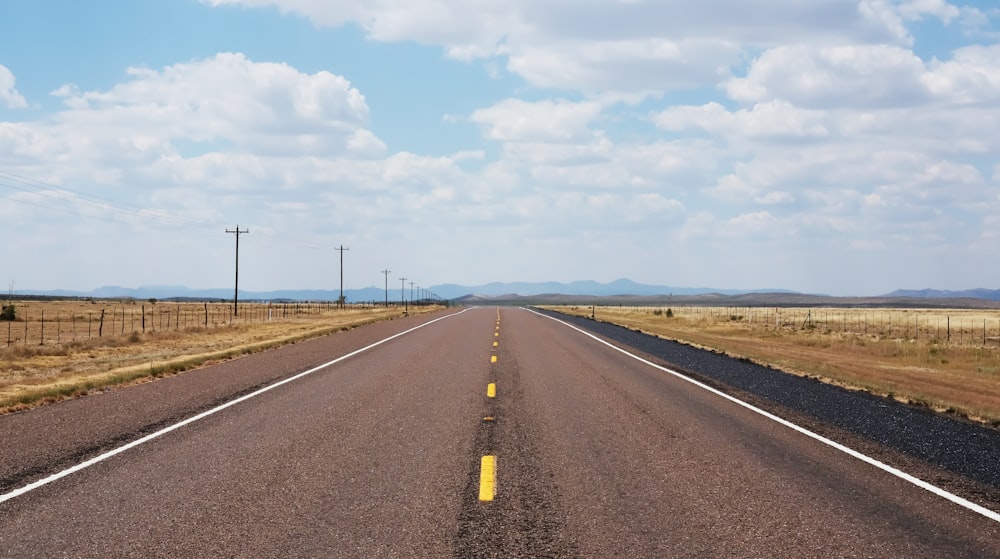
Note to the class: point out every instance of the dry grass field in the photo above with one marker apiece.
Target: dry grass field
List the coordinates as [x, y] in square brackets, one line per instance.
[948, 360]
[73, 353]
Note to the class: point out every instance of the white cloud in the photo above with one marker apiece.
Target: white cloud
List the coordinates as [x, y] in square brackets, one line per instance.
[774, 120]
[916, 9]
[259, 106]
[611, 46]
[972, 76]
[732, 136]
[9, 96]
[198, 121]
[650, 64]
[861, 76]
[543, 121]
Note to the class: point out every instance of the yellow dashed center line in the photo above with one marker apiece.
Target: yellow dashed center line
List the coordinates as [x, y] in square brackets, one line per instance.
[487, 468]
[487, 478]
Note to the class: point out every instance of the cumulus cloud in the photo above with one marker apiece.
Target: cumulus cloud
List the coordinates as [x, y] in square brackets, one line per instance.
[917, 9]
[749, 130]
[772, 120]
[614, 46]
[542, 121]
[211, 121]
[9, 96]
[260, 106]
[863, 76]
[972, 76]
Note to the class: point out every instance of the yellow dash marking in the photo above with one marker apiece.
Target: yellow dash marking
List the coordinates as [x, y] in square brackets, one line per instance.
[488, 418]
[491, 390]
[495, 344]
[493, 359]
[496, 333]
[487, 478]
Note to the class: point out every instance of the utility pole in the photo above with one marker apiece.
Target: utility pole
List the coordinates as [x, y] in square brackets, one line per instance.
[341, 250]
[402, 292]
[236, 288]
[386, 272]
[411, 291]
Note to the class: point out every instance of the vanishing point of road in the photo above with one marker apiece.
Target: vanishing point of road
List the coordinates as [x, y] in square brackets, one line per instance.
[479, 432]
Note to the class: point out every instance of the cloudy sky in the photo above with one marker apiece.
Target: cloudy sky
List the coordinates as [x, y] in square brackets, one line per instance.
[848, 147]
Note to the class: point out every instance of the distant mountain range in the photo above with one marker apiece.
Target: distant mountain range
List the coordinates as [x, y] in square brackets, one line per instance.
[495, 290]
[591, 288]
[445, 291]
[990, 294]
[165, 292]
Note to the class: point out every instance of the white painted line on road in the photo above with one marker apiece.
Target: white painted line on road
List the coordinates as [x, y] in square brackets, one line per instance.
[992, 515]
[204, 414]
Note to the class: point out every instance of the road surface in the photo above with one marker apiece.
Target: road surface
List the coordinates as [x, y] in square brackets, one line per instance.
[373, 445]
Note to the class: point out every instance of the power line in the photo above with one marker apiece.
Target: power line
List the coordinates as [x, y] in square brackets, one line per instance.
[72, 196]
[236, 288]
[386, 272]
[341, 250]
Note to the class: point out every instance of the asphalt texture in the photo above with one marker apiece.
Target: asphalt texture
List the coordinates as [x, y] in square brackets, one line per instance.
[378, 455]
[959, 446]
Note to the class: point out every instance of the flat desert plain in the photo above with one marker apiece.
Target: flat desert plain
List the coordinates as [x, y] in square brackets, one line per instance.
[946, 359]
[60, 349]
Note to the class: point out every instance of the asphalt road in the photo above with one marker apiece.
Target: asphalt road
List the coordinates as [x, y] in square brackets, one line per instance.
[380, 455]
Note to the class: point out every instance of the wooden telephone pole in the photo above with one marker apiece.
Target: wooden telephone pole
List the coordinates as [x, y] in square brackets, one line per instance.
[236, 289]
[340, 301]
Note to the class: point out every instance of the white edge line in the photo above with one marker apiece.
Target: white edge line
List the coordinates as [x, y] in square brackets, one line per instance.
[992, 515]
[86, 464]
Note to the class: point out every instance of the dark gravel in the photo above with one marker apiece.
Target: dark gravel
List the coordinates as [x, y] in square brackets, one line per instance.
[958, 446]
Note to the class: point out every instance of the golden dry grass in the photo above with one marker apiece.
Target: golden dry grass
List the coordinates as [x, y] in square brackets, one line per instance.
[905, 354]
[33, 373]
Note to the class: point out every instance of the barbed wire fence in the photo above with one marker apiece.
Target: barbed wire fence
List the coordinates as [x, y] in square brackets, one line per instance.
[980, 328]
[37, 325]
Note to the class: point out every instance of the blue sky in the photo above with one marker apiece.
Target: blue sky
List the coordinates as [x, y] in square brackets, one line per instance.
[830, 146]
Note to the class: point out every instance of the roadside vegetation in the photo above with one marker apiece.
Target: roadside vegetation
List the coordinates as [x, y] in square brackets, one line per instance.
[33, 374]
[947, 360]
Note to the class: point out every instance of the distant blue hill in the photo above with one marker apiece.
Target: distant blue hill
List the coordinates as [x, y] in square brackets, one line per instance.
[990, 294]
[445, 291]
[620, 287]
[617, 287]
[163, 292]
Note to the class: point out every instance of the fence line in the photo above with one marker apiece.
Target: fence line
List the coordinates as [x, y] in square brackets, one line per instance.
[35, 327]
[946, 327]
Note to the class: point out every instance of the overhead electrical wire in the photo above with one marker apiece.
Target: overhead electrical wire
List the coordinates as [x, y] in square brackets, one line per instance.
[13, 181]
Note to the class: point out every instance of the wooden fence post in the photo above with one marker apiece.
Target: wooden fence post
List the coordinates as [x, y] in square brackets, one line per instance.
[100, 329]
